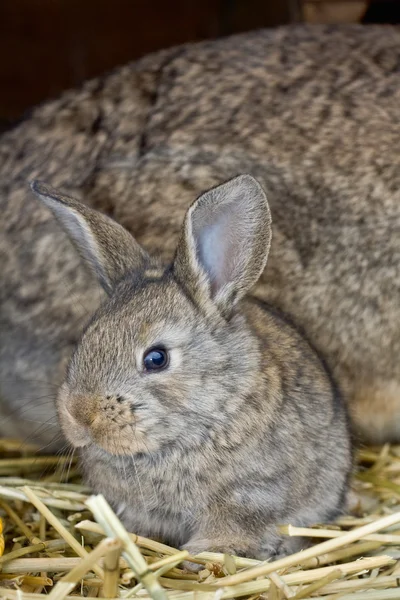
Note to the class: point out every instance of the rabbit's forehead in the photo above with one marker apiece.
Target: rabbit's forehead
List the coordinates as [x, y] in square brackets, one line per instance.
[165, 332]
[173, 329]
[157, 314]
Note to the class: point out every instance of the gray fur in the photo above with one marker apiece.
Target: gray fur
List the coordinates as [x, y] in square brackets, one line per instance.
[311, 112]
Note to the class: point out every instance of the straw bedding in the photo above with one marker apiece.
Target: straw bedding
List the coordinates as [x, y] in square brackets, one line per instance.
[58, 540]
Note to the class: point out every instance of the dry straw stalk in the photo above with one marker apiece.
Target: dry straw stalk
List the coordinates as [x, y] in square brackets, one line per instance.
[59, 542]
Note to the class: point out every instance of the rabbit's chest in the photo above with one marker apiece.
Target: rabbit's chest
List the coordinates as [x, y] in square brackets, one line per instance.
[162, 504]
[171, 492]
[176, 487]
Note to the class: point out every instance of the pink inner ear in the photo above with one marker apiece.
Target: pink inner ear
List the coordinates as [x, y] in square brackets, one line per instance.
[220, 239]
[230, 230]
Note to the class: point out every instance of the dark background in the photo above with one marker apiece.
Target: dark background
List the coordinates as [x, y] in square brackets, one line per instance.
[47, 46]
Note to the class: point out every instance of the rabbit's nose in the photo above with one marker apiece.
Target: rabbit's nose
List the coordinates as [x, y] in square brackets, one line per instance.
[76, 433]
[83, 408]
[77, 411]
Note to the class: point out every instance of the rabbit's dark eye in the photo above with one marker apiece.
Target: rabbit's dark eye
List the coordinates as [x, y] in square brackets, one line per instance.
[155, 359]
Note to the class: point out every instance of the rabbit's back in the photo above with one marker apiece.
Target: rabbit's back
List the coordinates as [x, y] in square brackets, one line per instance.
[313, 112]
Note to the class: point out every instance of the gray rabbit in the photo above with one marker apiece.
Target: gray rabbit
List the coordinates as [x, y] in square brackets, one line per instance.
[205, 420]
[313, 114]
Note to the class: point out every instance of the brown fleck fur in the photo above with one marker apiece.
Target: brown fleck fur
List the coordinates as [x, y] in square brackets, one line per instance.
[311, 112]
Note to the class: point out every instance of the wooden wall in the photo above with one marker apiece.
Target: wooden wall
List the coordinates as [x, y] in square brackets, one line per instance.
[47, 46]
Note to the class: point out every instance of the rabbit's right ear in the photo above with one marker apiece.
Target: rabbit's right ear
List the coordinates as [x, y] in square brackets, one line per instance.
[110, 251]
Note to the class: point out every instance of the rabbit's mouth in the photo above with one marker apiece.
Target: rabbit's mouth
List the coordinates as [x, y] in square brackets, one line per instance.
[118, 436]
[114, 440]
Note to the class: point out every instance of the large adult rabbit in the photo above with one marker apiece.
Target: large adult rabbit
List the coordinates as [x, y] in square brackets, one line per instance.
[311, 112]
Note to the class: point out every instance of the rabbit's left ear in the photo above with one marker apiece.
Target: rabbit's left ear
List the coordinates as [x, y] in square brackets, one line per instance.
[224, 243]
[106, 247]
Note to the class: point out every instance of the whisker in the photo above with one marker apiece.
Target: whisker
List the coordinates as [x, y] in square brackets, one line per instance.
[56, 437]
[141, 492]
[37, 430]
[64, 464]
[152, 483]
[45, 382]
[69, 464]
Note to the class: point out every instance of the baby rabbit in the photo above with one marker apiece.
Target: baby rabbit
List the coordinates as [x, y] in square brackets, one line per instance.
[204, 416]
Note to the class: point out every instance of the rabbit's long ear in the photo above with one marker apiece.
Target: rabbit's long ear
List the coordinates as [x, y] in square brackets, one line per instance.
[225, 242]
[107, 247]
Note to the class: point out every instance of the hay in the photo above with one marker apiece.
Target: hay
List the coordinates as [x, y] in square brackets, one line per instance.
[63, 543]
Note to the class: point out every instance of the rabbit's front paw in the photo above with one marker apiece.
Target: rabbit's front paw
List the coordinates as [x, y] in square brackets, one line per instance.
[219, 546]
[276, 548]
